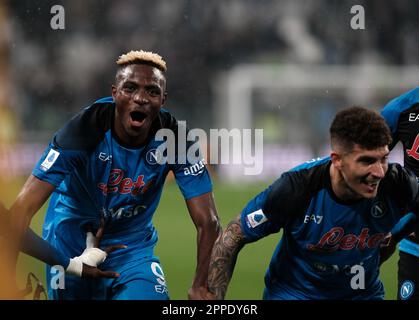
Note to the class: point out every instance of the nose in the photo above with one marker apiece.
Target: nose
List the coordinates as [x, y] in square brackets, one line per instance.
[378, 170]
[140, 97]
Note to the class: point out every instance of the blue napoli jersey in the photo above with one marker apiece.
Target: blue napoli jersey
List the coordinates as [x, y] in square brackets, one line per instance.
[402, 116]
[95, 176]
[324, 237]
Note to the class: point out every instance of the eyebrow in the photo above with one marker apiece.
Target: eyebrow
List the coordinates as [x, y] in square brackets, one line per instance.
[371, 158]
[130, 82]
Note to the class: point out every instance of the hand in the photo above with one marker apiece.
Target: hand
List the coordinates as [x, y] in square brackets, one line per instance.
[93, 256]
[86, 264]
[200, 293]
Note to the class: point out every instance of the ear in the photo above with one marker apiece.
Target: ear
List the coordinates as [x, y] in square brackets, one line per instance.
[336, 160]
[114, 90]
[164, 98]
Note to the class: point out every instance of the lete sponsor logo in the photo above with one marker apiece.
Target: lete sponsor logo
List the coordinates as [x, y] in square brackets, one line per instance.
[117, 183]
[336, 239]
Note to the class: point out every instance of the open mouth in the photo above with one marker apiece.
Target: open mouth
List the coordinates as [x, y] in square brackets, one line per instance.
[371, 185]
[138, 117]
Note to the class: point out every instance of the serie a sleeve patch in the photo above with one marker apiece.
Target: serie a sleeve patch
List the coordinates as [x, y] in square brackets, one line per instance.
[255, 218]
[49, 160]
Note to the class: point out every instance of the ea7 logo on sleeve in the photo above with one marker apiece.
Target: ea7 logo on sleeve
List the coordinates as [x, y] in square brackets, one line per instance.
[49, 160]
[255, 218]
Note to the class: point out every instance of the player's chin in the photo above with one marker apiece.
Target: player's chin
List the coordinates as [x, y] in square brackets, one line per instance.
[368, 192]
[136, 128]
[369, 195]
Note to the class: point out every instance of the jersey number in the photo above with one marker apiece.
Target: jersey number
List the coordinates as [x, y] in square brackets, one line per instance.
[413, 152]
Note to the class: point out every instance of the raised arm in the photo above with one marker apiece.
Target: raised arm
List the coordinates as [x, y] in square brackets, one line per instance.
[224, 257]
[204, 215]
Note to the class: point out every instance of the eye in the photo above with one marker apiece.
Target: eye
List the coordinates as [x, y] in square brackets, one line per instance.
[384, 160]
[367, 160]
[153, 91]
[128, 87]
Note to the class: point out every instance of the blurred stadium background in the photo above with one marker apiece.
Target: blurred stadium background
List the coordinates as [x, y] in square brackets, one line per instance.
[282, 65]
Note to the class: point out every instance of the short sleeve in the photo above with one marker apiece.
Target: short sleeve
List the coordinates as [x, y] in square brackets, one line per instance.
[71, 144]
[271, 209]
[193, 179]
[392, 111]
[191, 172]
[56, 163]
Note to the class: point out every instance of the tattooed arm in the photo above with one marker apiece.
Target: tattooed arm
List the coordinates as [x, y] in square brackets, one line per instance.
[224, 256]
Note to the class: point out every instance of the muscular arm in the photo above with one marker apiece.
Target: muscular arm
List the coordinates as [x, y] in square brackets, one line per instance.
[37, 247]
[31, 198]
[204, 215]
[18, 236]
[224, 256]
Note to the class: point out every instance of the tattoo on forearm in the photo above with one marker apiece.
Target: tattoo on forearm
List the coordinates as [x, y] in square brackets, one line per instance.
[223, 259]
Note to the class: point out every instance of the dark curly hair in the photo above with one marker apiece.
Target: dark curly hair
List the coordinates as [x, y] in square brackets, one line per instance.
[358, 125]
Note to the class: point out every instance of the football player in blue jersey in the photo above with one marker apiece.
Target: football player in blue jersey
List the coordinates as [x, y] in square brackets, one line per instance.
[335, 214]
[105, 164]
[402, 116]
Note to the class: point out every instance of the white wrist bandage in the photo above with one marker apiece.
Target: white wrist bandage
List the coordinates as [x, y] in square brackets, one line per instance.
[90, 256]
[93, 256]
[75, 267]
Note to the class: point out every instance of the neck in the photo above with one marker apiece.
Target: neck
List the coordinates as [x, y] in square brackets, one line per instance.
[127, 140]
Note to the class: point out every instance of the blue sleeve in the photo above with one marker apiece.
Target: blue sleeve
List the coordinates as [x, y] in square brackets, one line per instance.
[74, 141]
[406, 225]
[37, 247]
[190, 172]
[56, 163]
[271, 209]
[254, 222]
[192, 179]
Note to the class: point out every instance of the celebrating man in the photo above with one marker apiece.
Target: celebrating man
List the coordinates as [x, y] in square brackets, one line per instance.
[100, 166]
[335, 213]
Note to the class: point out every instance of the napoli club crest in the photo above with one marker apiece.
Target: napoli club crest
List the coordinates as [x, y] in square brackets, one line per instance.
[407, 289]
[378, 210]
